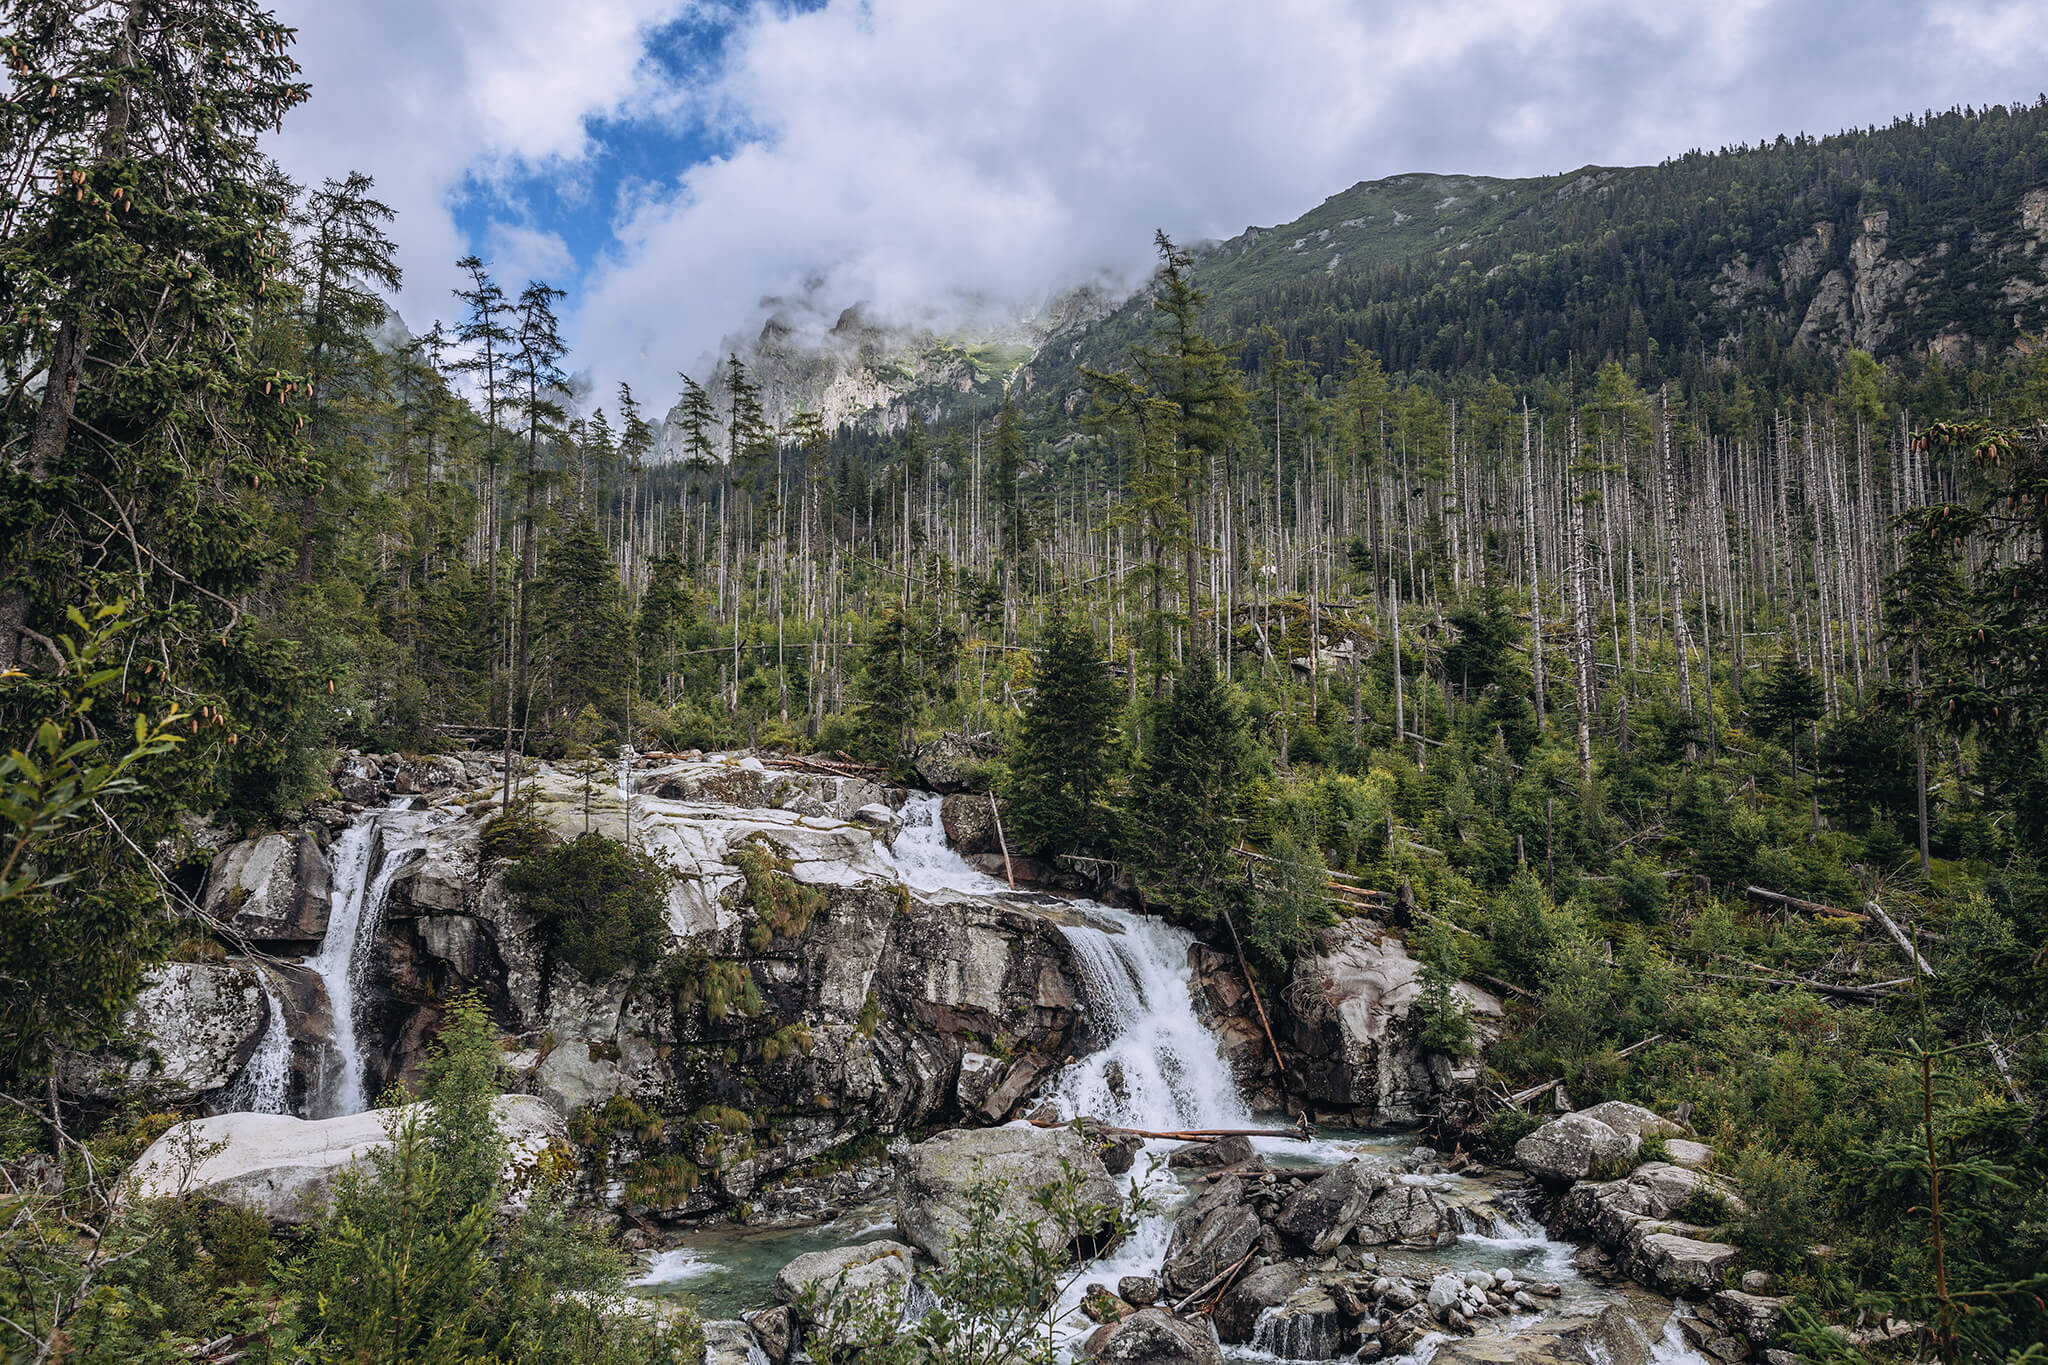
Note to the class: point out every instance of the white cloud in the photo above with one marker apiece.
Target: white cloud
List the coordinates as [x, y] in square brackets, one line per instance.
[431, 95]
[919, 154]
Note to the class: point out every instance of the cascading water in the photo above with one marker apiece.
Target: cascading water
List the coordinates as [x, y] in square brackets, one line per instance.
[263, 1087]
[1156, 1066]
[364, 869]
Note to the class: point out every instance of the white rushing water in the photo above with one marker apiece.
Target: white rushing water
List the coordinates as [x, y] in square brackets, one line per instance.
[364, 861]
[264, 1085]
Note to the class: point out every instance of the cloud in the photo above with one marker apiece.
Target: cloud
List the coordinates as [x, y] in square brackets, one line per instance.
[441, 100]
[927, 157]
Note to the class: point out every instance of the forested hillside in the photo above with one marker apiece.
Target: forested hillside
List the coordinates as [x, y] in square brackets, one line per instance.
[1641, 596]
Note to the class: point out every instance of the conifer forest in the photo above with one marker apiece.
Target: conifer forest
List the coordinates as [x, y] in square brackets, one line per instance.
[1607, 652]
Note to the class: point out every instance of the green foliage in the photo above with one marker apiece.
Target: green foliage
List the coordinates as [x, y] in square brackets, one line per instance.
[1287, 903]
[79, 920]
[719, 985]
[602, 907]
[1181, 826]
[782, 906]
[515, 833]
[1443, 1018]
[1065, 751]
[993, 1303]
[405, 1270]
[906, 665]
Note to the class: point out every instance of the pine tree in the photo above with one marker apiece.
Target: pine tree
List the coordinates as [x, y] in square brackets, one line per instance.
[1183, 827]
[1065, 750]
[349, 259]
[584, 636]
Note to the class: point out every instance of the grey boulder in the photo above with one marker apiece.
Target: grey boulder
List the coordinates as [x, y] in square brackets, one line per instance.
[1150, 1337]
[934, 1179]
[1571, 1147]
[274, 889]
[1322, 1213]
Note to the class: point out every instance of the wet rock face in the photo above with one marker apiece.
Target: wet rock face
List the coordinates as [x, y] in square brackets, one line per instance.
[1238, 1312]
[274, 890]
[970, 825]
[1610, 1337]
[934, 1180]
[913, 1010]
[1323, 1213]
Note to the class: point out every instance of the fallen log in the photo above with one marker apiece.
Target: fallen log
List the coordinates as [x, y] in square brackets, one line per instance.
[1785, 902]
[1899, 937]
[1257, 1004]
[1218, 1284]
[1867, 995]
[1301, 1132]
[1009, 872]
[1510, 987]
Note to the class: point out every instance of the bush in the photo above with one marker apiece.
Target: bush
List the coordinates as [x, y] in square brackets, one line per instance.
[1783, 1194]
[601, 907]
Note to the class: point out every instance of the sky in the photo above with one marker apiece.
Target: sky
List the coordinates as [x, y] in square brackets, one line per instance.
[682, 167]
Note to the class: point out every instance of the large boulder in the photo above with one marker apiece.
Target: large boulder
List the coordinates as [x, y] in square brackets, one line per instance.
[1609, 1337]
[1632, 1120]
[1305, 1327]
[1347, 1016]
[1211, 1233]
[970, 824]
[1405, 1215]
[1758, 1317]
[1678, 1264]
[1606, 1210]
[284, 1168]
[1238, 1311]
[934, 1178]
[1152, 1337]
[948, 762]
[1322, 1213]
[273, 890]
[873, 1277]
[1571, 1147]
[193, 1026]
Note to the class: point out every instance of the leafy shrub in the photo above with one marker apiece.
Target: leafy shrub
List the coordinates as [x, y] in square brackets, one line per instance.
[782, 905]
[601, 907]
[515, 832]
[1653, 1149]
[1783, 1194]
[721, 986]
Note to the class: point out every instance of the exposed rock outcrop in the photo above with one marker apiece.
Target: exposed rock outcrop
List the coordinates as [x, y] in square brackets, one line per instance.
[274, 890]
[284, 1168]
[195, 1026]
[1152, 1337]
[934, 1178]
[1571, 1147]
[1346, 1017]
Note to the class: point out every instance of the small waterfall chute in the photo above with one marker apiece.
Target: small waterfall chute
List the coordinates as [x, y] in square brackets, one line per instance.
[264, 1085]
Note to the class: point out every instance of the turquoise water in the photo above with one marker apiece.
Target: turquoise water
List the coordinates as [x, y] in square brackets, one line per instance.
[724, 1271]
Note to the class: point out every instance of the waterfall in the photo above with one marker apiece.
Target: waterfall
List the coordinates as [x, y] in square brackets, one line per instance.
[1297, 1336]
[263, 1085]
[1156, 1065]
[363, 872]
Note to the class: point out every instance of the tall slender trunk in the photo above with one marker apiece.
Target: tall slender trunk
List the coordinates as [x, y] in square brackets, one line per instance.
[66, 369]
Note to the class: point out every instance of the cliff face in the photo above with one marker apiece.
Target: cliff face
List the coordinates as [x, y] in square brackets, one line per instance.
[868, 372]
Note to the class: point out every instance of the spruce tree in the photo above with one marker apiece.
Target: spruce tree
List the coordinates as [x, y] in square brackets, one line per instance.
[1065, 750]
[584, 637]
[1183, 824]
